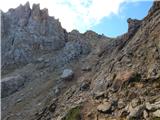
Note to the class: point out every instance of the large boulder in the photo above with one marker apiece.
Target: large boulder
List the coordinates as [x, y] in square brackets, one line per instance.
[67, 74]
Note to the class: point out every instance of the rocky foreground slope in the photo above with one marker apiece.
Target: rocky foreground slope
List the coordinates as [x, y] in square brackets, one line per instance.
[49, 74]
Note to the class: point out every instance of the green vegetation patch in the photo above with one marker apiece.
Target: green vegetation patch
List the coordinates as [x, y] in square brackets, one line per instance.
[155, 118]
[73, 114]
[136, 77]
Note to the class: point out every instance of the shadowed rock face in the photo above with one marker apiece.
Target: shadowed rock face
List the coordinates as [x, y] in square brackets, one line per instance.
[9, 85]
[52, 74]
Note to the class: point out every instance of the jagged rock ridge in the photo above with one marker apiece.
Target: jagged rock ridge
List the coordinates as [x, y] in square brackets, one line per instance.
[28, 32]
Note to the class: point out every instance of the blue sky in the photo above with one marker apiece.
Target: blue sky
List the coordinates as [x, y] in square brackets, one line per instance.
[115, 25]
[102, 16]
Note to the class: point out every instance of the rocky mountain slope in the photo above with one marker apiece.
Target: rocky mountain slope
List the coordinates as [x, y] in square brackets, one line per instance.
[50, 74]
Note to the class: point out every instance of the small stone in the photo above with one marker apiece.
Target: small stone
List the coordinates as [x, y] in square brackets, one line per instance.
[86, 68]
[136, 112]
[19, 100]
[156, 113]
[104, 107]
[135, 102]
[145, 114]
[148, 106]
[39, 104]
[139, 85]
[123, 113]
[105, 100]
[98, 95]
[121, 104]
[57, 90]
[59, 118]
[40, 59]
[132, 95]
[89, 114]
[80, 101]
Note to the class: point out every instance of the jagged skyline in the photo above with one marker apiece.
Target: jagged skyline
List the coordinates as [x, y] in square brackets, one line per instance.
[100, 16]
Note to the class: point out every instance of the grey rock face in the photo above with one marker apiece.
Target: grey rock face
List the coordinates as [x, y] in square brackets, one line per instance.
[29, 32]
[12, 84]
[72, 50]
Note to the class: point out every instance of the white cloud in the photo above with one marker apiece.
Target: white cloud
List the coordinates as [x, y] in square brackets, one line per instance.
[73, 14]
